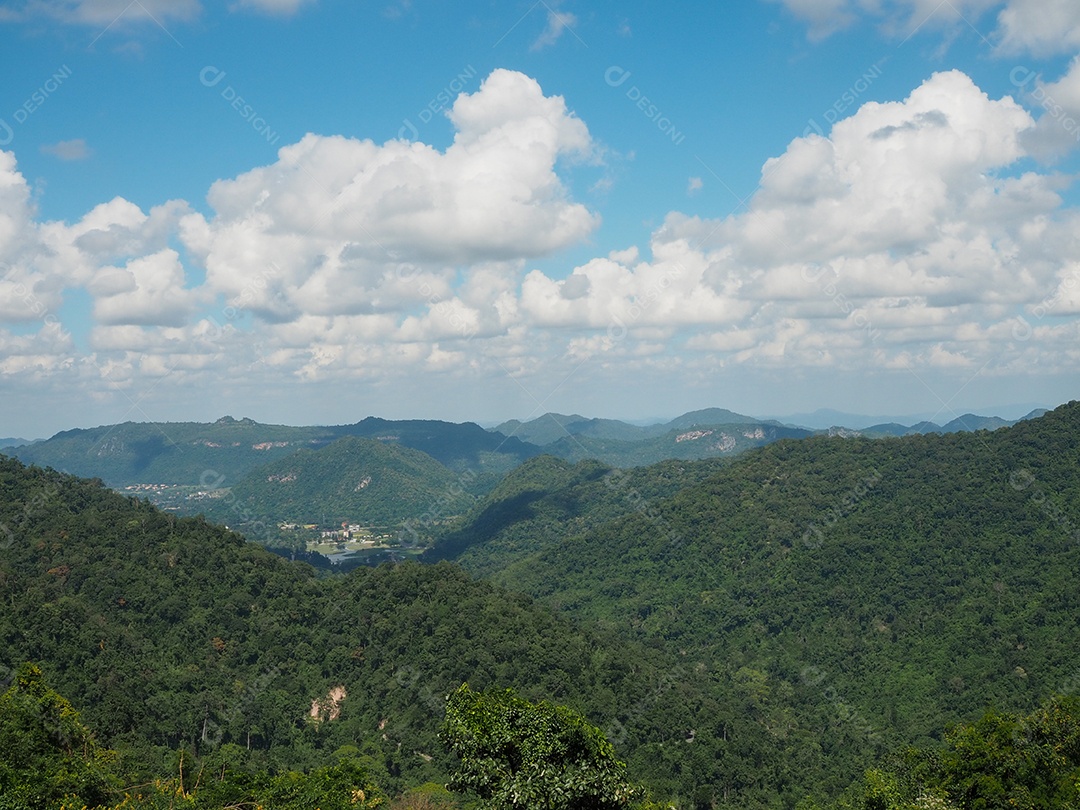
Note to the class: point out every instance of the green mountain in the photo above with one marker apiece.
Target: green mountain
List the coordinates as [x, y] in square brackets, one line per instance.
[465, 446]
[352, 480]
[856, 586]
[970, 421]
[547, 499]
[544, 429]
[692, 442]
[750, 631]
[193, 453]
[171, 633]
[713, 416]
[168, 452]
[709, 433]
[967, 422]
[552, 427]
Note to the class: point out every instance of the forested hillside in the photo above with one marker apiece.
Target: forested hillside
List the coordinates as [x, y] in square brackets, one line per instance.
[758, 632]
[709, 433]
[172, 633]
[866, 589]
[698, 442]
[351, 480]
[547, 499]
[192, 453]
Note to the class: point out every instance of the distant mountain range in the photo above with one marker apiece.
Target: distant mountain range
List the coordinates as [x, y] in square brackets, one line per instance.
[709, 433]
[11, 442]
[962, 424]
[181, 453]
[280, 473]
[825, 418]
[767, 627]
[551, 427]
[573, 437]
[189, 453]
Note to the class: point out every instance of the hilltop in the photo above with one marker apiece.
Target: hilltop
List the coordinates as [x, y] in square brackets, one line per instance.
[171, 632]
[921, 577]
[756, 630]
[353, 480]
[187, 453]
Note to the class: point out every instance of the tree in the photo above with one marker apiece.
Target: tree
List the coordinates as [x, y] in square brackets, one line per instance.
[516, 754]
[46, 753]
[1000, 762]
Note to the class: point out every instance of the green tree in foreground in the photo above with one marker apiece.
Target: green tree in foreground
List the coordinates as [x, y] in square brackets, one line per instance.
[515, 754]
[46, 753]
[50, 761]
[1000, 762]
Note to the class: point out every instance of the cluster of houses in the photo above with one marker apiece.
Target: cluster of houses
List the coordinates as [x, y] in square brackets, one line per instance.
[149, 487]
[348, 531]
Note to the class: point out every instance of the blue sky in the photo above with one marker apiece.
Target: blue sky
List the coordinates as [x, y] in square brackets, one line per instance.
[314, 211]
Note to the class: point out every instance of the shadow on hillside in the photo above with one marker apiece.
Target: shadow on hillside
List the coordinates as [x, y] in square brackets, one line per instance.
[488, 523]
[148, 450]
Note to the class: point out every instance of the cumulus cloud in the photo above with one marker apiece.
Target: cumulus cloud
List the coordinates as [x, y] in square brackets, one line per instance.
[904, 238]
[901, 226]
[1039, 27]
[342, 226]
[338, 245]
[46, 352]
[149, 290]
[1058, 107]
[887, 177]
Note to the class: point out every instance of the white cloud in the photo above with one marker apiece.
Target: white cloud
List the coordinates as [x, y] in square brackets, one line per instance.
[902, 227]
[905, 238]
[75, 149]
[340, 226]
[41, 354]
[892, 179]
[558, 22]
[281, 8]
[1058, 107]
[15, 209]
[1039, 27]
[104, 12]
[148, 291]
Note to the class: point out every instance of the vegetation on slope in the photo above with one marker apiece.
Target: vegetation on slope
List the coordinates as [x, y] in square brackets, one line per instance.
[696, 442]
[765, 633]
[1003, 760]
[546, 500]
[352, 480]
[172, 633]
[870, 586]
[193, 453]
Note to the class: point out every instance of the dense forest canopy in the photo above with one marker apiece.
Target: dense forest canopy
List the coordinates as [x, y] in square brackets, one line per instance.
[759, 632]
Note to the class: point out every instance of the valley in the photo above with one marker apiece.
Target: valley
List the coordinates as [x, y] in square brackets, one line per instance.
[755, 629]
